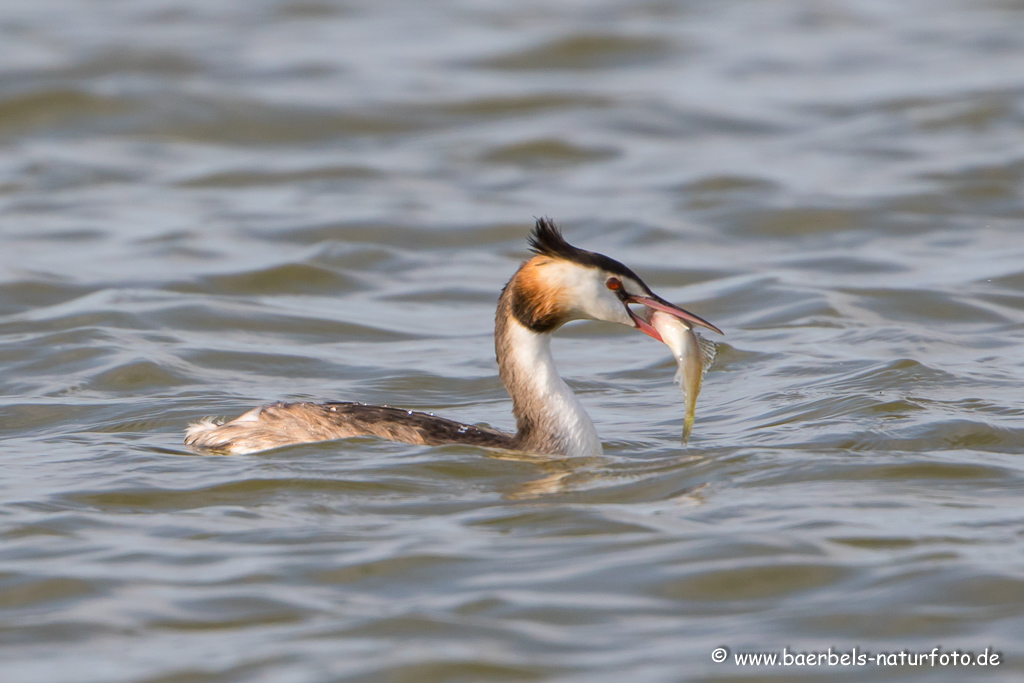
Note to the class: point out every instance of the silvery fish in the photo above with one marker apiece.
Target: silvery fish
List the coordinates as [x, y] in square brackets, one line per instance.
[694, 355]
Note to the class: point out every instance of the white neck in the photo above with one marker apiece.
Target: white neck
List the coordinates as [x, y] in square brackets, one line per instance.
[540, 398]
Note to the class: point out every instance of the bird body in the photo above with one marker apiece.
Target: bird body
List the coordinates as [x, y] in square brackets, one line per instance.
[558, 284]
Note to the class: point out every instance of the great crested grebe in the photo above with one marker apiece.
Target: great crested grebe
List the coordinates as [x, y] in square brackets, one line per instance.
[557, 284]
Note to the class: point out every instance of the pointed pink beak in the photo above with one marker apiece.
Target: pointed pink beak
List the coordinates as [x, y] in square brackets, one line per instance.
[660, 304]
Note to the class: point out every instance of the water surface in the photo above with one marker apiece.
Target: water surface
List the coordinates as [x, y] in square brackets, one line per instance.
[209, 205]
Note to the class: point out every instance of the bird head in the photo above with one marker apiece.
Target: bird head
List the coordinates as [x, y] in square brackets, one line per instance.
[561, 283]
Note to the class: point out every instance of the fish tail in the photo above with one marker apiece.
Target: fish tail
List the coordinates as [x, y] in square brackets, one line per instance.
[687, 426]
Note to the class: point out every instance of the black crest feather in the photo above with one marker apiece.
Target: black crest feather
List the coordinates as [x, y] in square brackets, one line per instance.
[546, 240]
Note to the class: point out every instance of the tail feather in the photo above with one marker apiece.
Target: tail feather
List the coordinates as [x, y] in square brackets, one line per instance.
[245, 434]
[207, 435]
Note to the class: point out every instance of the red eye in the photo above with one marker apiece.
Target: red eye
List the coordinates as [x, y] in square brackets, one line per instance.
[613, 283]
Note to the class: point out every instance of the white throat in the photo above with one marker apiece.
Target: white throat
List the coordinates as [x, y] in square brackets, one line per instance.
[537, 389]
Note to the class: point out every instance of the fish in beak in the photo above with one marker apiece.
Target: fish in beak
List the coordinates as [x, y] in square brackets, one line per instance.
[673, 326]
[656, 303]
[694, 356]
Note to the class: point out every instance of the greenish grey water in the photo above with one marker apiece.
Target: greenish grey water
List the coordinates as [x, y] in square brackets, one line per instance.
[208, 205]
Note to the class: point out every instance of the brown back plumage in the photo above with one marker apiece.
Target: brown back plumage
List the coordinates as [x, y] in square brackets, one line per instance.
[281, 424]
